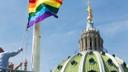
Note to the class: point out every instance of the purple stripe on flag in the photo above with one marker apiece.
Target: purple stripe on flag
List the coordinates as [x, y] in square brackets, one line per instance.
[39, 19]
[31, 23]
[43, 16]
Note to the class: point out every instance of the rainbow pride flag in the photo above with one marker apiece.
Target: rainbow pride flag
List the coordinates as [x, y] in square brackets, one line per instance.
[41, 9]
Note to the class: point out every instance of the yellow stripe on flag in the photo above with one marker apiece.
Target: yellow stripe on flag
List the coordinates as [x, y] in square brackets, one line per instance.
[31, 10]
[53, 3]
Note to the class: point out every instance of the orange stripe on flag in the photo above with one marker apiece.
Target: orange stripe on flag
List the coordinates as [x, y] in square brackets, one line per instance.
[32, 5]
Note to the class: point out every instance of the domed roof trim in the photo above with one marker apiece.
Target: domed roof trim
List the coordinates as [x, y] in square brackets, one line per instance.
[73, 64]
[82, 61]
[66, 63]
[108, 63]
[127, 67]
[119, 60]
[86, 61]
[63, 65]
[100, 61]
[115, 62]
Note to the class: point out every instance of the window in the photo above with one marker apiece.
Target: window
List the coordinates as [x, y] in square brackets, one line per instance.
[95, 43]
[90, 43]
[113, 71]
[124, 64]
[113, 55]
[103, 53]
[59, 67]
[91, 53]
[92, 61]
[73, 62]
[110, 61]
[79, 54]
[92, 71]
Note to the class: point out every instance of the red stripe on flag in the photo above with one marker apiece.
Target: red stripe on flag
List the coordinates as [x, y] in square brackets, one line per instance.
[60, 1]
[32, 1]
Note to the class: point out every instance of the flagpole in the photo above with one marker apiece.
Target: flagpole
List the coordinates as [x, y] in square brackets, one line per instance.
[36, 48]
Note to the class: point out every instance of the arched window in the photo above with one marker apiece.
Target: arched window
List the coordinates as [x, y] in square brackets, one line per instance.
[73, 62]
[92, 61]
[91, 53]
[103, 53]
[110, 61]
[95, 43]
[113, 71]
[85, 43]
[79, 54]
[59, 67]
[124, 64]
[90, 43]
[92, 71]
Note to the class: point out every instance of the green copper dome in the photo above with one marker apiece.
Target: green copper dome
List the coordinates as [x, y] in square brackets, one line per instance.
[92, 57]
[92, 61]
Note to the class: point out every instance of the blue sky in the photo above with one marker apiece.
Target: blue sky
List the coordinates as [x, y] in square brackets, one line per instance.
[60, 36]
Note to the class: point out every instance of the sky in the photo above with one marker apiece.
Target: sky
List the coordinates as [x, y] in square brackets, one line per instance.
[59, 37]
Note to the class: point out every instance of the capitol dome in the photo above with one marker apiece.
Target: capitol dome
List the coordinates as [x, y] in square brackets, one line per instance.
[92, 61]
[92, 56]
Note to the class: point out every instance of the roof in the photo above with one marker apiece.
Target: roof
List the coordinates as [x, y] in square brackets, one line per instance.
[92, 61]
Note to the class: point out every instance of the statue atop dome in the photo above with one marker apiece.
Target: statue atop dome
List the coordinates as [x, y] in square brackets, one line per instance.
[90, 17]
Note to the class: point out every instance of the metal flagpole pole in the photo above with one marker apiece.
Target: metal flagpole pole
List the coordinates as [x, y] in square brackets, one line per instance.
[36, 49]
